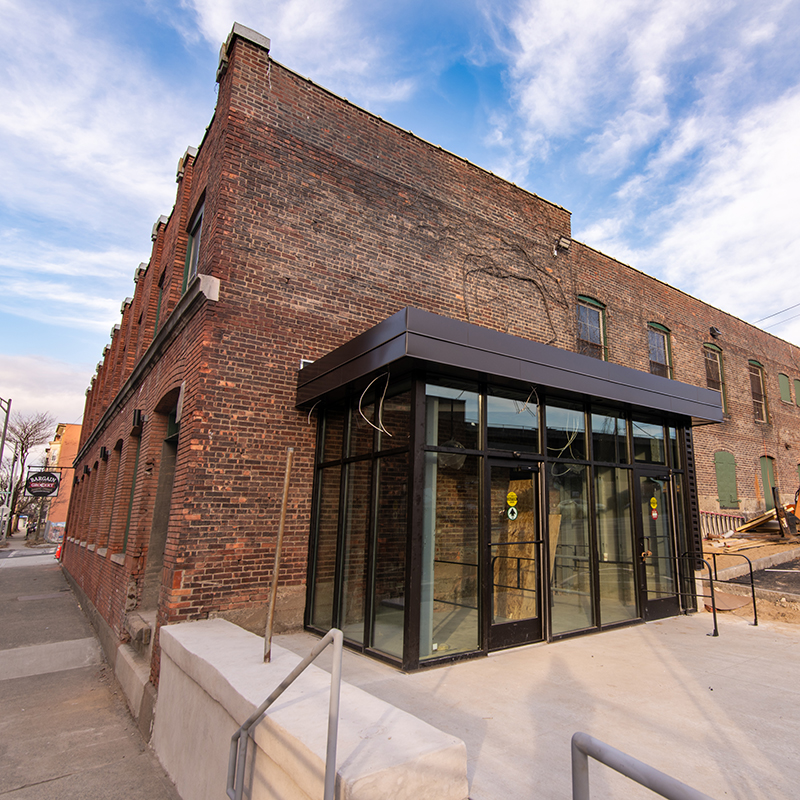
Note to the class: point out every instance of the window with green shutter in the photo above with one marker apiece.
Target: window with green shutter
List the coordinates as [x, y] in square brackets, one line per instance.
[786, 388]
[725, 466]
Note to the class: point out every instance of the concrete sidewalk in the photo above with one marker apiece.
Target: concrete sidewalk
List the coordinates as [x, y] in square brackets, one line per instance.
[65, 731]
[720, 714]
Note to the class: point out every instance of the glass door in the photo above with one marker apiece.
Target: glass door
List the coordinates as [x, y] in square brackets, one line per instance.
[655, 536]
[513, 555]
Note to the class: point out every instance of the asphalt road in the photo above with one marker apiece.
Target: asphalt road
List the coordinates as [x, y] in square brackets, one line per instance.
[780, 578]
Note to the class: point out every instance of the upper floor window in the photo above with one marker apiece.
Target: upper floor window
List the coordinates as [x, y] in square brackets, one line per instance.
[786, 388]
[796, 392]
[591, 328]
[193, 248]
[658, 344]
[715, 377]
[757, 391]
[159, 299]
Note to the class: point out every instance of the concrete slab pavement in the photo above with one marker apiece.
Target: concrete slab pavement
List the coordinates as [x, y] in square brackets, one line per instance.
[721, 714]
[65, 731]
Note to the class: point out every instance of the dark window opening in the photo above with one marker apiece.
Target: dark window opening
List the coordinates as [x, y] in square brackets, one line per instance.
[591, 338]
[757, 392]
[658, 344]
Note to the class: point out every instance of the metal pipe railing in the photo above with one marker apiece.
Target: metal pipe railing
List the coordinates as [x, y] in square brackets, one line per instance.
[584, 746]
[238, 751]
[689, 558]
[752, 580]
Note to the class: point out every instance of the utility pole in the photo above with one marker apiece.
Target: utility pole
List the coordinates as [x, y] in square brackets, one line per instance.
[5, 501]
[10, 497]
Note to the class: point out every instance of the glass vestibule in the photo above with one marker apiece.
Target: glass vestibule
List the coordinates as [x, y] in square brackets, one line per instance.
[512, 516]
[357, 565]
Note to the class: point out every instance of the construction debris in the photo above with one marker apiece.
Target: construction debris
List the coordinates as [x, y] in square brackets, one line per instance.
[779, 524]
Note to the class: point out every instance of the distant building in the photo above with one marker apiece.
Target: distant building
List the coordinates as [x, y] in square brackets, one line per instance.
[61, 452]
[500, 434]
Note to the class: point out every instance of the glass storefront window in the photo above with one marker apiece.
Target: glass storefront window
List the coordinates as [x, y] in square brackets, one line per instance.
[649, 446]
[394, 421]
[355, 533]
[675, 449]
[609, 437]
[333, 433]
[616, 576]
[391, 537]
[362, 434]
[569, 548]
[449, 617]
[452, 416]
[566, 431]
[325, 555]
[512, 420]
[492, 526]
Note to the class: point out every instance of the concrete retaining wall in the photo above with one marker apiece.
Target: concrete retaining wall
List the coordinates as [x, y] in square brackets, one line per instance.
[213, 677]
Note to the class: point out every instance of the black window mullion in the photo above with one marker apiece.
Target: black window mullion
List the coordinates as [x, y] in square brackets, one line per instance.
[415, 520]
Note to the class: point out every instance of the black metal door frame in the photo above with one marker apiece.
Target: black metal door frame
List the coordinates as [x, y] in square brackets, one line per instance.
[523, 631]
[667, 604]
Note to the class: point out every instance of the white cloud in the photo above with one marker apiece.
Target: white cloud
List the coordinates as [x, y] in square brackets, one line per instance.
[87, 129]
[731, 236]
[335, 43]
[39, 384]
[610, 81]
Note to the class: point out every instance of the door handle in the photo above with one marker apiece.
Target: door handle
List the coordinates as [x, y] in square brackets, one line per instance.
[647, 553]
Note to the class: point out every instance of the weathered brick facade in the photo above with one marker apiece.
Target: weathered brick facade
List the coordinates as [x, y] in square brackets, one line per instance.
[319, 220]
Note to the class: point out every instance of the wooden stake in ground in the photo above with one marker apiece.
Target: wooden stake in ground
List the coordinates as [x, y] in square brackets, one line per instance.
[273, 592]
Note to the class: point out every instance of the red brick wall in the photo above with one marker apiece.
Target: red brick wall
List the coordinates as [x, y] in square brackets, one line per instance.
[321, 220]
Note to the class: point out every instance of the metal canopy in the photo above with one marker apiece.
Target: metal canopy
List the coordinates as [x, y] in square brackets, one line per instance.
[413, 338]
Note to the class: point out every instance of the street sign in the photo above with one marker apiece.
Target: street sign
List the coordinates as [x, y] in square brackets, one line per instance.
[42, 484]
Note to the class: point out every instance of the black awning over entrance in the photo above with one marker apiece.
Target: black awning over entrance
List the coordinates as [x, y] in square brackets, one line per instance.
[413, 338]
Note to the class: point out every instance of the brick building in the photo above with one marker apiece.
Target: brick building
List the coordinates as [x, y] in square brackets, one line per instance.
[492, 421]
[60, 453]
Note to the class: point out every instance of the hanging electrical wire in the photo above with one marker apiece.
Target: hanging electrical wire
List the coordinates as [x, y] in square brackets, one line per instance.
[773, 324]
[379, 427]
[769, 316]
[311, 410]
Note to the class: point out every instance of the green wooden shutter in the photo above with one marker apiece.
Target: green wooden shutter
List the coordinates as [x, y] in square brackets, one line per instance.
[725, 466]
[786, 389]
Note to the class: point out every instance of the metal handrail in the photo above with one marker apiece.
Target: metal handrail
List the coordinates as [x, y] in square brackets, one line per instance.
[682, 594]
[752, 580]
[662, 784]
[238, 751]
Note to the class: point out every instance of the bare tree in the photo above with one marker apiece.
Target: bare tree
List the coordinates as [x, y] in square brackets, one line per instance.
[25, 432]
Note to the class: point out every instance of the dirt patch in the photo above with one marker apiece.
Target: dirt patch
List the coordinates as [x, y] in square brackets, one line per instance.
[779, 610]
[770, 611]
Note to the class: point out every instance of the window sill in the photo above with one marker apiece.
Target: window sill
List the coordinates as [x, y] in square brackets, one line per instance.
[118, 558]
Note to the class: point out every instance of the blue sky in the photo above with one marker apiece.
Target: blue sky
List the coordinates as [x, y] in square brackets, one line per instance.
[668, 129]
